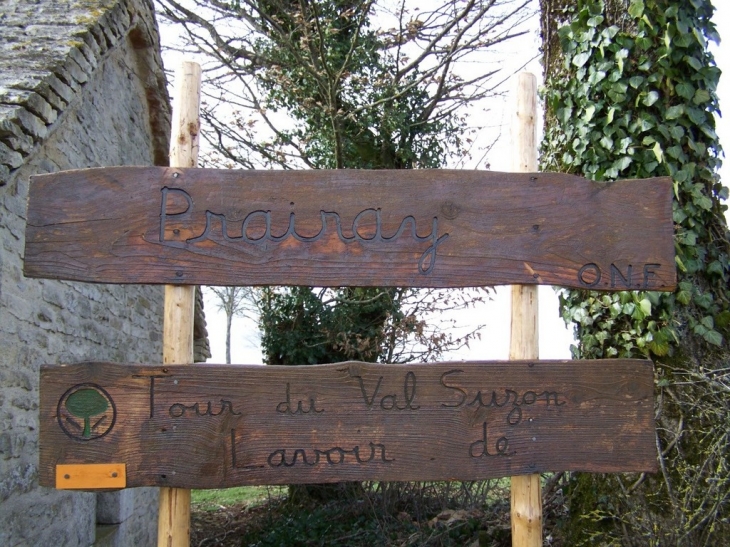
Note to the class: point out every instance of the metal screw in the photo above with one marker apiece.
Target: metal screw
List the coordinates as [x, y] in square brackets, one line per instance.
[175, 175]
[534, 439]
[114, 474]
[67, 476]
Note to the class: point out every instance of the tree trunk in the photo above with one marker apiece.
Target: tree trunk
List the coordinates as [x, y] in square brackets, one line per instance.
[229, 321]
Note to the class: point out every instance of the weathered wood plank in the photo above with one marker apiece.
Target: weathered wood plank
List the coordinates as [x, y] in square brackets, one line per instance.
[213, 426]
[420, 228]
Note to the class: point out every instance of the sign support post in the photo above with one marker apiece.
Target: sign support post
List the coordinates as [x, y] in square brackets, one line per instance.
[526, 499]
[173, 526]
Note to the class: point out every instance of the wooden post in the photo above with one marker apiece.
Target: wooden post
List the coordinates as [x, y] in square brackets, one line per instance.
[173, 526]
[526, 499]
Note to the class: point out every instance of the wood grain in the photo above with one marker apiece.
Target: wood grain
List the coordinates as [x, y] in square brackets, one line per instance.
[525, 490]
[419, 228]
[215, 426]
[173, 522]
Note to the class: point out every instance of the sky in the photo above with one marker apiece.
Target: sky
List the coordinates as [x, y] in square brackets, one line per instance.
[555, 337]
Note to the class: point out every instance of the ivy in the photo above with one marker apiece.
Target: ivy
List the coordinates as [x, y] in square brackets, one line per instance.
[632, 94]
[638, 103]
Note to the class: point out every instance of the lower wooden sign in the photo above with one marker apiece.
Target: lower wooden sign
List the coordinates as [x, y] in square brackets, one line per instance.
[216, 426]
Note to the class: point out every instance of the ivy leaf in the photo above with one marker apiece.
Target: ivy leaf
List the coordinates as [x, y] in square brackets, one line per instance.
[674, 152]
[677, 132]
[703, 202]
[636, 81]
[684, 297]
[707, 130]
[636, 9]
[693, 62]
[715, 267]
[658, 152]
[609, 116]
[645, 306]
[564, 114]
[581, 59]
[650, 166]
[688, 238]
[590, 110]
[595, 21]
[723, 319]
[697, 116]
[701, 96]
[681, 176]
[685, 90]
[674, 112]
[650, 98]
[681, 266]
[713, 337]
[622, 163]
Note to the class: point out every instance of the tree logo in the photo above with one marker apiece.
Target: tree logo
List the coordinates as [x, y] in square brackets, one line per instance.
[86, 412]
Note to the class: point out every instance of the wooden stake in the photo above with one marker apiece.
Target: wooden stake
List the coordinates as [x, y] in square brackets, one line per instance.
[526, 499]
[173, 526]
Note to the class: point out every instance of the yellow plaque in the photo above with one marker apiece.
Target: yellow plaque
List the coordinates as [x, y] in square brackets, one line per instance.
[91, 476]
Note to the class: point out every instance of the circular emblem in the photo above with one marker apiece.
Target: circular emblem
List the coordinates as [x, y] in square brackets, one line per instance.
[86, 412]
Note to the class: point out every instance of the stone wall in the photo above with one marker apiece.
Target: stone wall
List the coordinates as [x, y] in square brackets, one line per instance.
[81, 85]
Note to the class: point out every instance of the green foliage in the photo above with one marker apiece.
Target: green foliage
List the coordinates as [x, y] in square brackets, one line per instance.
[640, 103]
[85, 403]
[214, 499]
[301, 327]
[316, 84]
[392, 514]
[634, 96]
[352, 110]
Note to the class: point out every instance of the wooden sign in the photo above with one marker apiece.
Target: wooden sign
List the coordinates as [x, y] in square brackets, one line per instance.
[418, 228]
[215, 426]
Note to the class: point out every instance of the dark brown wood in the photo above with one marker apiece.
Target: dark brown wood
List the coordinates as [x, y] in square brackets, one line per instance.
[213, 426]
[420, 228]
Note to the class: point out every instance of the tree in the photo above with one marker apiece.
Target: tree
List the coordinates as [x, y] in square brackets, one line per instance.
[234, 302]
[631, 94]
[317, 84]
[343, 84]
[85, 403]
[373, 325]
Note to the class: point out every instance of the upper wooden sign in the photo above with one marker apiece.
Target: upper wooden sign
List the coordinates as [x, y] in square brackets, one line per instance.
[419, 228]
[215, 426]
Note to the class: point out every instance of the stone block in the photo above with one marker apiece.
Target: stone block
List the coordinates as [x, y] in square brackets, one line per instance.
[114, 507]
[30, 100]
[48, 517]
[10, 157]
[30, 123]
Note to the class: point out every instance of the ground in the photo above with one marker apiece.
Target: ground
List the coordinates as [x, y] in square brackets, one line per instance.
[391, 515]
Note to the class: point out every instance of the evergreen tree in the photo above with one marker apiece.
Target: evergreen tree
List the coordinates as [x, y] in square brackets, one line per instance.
[345, 84]
[332, 84]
